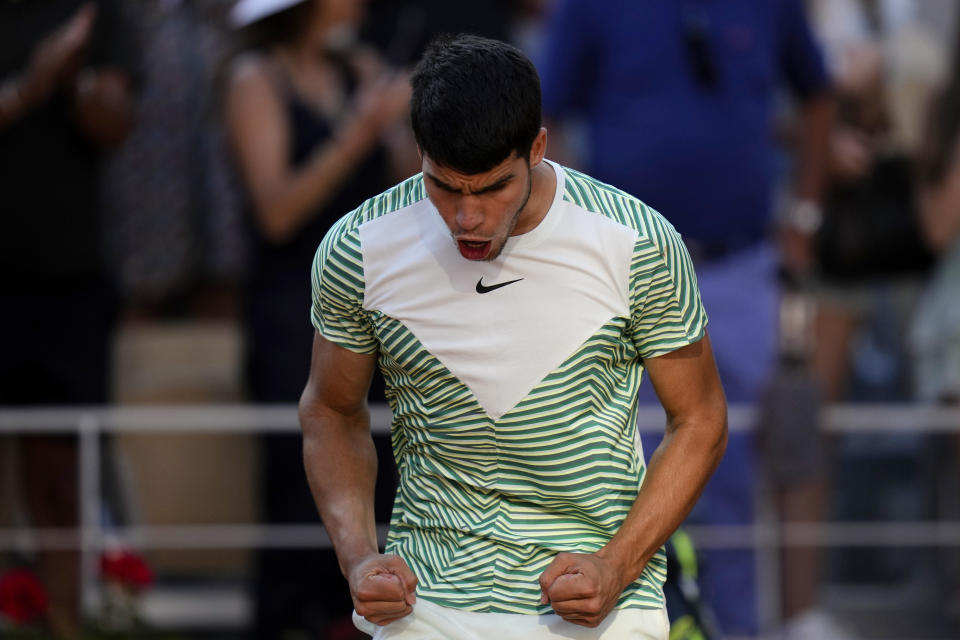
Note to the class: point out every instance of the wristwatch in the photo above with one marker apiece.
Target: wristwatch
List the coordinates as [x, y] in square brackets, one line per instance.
[803, 215]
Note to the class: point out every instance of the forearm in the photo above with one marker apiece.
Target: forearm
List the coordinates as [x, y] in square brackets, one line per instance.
[940, 209]
[289, 205]
[678, 471]
[812, 151]
[341, 465]
[102, 106]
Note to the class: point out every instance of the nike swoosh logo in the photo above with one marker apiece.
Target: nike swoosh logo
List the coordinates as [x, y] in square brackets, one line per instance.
[481, 288]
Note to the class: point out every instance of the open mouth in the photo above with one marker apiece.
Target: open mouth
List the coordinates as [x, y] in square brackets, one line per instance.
[473, 250]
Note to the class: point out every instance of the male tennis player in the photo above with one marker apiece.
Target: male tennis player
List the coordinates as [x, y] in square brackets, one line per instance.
[513, 306]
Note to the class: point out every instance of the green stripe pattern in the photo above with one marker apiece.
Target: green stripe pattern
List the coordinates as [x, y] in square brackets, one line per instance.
[484, 505]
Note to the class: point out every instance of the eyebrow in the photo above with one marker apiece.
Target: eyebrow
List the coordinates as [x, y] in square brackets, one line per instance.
[499, 184]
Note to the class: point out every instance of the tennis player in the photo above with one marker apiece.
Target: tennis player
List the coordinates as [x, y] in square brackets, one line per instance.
[513, 306]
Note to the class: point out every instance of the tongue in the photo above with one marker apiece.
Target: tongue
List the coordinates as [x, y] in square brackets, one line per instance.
[473, 250]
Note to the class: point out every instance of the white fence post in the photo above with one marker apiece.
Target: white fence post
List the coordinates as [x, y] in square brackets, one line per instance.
[90, 513]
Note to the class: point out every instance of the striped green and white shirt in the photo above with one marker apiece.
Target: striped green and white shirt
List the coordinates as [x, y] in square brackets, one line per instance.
[514, 406]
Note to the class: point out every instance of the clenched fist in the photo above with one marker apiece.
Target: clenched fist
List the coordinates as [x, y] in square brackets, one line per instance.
[581, 588]
[383, 588]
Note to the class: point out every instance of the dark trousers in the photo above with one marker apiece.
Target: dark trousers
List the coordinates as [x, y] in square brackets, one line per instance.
[55, 349]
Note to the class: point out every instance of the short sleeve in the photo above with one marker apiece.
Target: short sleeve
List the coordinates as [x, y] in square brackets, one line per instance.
[337, 281]
[801, 58]
[666, 310]
[564, 60]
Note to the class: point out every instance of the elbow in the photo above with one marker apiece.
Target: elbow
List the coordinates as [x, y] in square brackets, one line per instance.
[720, 448]
[939, 224]
[104, 107]
[721, 431]
[307, 410]
[273, 224]
[308, 413]
[106, 129]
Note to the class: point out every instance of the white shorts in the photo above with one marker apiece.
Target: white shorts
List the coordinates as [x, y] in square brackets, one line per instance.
[432, 622]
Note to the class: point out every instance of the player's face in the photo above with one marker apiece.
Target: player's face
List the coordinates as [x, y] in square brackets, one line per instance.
[481, 210]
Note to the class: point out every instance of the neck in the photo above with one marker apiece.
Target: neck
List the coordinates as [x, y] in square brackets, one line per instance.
[543, 187]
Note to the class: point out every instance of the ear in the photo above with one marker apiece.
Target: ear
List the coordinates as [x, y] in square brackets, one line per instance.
[539, 147]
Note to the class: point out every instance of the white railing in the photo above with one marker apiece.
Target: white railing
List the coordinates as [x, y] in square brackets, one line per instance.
[766, 535]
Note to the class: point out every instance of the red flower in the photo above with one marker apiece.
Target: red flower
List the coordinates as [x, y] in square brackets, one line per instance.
[22, 597]
[126, 568]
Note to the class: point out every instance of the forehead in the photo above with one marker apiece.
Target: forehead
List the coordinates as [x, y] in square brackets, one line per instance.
[470, 181]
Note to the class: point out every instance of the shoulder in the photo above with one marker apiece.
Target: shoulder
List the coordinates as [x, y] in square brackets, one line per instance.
[400, 196]
[592, 195]
[253, 101]
[251, 73]
[339, 260]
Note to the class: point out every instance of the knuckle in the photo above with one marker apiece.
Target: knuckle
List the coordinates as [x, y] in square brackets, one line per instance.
[363, 593]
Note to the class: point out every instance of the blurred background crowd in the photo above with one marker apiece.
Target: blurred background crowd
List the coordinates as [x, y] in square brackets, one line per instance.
[168, 167]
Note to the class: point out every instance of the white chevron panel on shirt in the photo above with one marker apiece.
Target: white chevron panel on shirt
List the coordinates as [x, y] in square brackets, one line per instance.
[572, 277]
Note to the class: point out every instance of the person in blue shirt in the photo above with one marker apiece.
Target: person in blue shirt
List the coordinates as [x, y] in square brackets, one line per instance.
[677, 102]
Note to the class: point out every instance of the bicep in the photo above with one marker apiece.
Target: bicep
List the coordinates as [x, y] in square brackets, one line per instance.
[258, 129]
[801, 57]
[339, 379]
[687, 382]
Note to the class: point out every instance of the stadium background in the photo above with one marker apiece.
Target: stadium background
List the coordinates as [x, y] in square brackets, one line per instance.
[177, 479]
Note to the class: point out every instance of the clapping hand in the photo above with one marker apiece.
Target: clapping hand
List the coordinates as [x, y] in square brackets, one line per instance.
[57, 58]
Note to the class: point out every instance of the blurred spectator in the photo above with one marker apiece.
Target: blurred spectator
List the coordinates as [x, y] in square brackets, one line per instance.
[317, 124]
[677, 100]
[64, 98]
[174, 217]
[935, 338]
[870, 257]
[935, 335]
[402, 29]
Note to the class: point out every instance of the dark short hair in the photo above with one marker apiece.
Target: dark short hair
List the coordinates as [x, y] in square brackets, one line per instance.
[281, 27]
[475, 101]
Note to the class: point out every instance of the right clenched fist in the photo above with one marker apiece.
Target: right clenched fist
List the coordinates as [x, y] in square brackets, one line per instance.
[383, 588]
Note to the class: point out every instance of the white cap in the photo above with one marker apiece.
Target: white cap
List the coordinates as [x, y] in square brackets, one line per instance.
[246, 12]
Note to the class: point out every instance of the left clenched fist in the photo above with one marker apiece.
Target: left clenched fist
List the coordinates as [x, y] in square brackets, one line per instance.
[581, 588]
